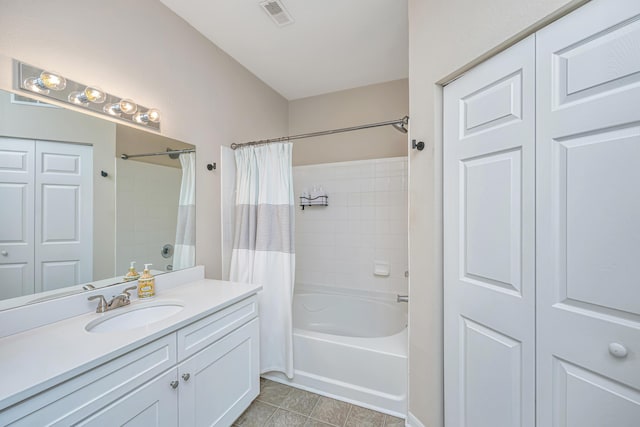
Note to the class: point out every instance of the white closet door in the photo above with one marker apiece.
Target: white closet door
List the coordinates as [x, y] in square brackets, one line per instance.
[489, 242]
[16, 217]
[588, 217]
[64, 215]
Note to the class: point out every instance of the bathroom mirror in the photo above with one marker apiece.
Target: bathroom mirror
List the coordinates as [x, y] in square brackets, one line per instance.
[74, 214]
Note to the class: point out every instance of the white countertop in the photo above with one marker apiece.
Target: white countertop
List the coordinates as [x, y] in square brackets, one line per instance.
[37, 359]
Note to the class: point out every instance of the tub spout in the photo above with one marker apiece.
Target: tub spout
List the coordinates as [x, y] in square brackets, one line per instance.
[402, 298]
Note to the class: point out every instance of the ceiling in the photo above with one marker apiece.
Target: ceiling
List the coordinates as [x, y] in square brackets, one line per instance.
[331, 45]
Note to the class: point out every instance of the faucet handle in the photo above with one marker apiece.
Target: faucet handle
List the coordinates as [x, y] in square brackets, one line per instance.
[126, 291]
[125, 295]
[102, 304]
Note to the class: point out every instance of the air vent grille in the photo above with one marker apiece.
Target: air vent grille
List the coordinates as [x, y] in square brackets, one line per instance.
[277, 12]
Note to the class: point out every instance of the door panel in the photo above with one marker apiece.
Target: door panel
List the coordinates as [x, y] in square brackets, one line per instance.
[489, 242]
[64, 196]
[588, 210]
[491, 224]
[16, 217]
[587, 399]
[490, 358]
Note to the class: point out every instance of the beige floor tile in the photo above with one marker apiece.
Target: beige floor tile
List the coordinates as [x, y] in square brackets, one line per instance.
[283, 418]
[273, 392]
[315, 423]
[363, 417]
[300, 401]
[331, 411]
[256, 415]
[390, 421]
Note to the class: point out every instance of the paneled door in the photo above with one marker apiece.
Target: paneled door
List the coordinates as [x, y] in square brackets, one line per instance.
[64, 215]
[489, 297]
[588, 217]
[16, 217]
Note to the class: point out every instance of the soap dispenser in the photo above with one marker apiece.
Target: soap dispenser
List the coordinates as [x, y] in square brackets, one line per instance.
[132, 274]
[146, 284]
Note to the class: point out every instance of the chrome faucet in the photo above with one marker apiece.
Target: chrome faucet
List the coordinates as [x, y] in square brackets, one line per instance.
[124, 298]
[402, 298]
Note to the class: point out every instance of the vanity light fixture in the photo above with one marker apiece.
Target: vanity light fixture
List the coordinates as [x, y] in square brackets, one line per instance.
[125, 106]
[54, 86]
[44, 82]
[150, 116]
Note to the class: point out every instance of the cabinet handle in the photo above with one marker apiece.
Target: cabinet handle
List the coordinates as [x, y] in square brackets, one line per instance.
[4, 253]
[617, 350]
[186, 377]
[174, 384]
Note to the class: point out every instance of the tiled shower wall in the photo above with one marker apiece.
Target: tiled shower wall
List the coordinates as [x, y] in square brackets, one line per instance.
[365, 223]
[147, 196]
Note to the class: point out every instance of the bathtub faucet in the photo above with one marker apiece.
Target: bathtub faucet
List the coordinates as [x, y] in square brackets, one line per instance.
[402, 298]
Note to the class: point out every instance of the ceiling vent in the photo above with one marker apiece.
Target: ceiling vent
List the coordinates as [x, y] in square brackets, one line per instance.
[277, 12]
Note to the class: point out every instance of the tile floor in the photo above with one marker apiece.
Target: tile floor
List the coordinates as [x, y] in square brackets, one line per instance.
[282, 406]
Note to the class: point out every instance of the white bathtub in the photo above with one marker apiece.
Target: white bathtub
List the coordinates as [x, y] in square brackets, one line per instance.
[351, 347]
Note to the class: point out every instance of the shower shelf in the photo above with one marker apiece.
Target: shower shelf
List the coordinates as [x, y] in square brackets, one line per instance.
[314, 201]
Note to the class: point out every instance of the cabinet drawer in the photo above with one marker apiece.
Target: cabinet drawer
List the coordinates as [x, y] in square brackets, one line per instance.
[78, 397]
[200, 334]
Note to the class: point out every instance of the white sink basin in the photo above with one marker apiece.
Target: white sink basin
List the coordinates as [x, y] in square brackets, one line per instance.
[134, 317]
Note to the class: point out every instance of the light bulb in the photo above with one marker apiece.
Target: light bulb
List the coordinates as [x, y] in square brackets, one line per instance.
[151, 115]
[154, 115]
[47, 80]
[90, 94]
[125, 106]
[53, 81]
[32, 84]
[78, 98]
[95, 95]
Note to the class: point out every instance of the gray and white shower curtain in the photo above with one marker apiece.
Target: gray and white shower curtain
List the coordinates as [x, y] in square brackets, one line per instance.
[263, 248]
[184, 254]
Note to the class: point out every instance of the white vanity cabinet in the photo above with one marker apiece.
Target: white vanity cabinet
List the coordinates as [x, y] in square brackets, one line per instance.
[205, 373]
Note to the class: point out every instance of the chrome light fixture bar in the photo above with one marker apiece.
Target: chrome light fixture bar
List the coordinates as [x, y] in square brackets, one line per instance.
[55, 86]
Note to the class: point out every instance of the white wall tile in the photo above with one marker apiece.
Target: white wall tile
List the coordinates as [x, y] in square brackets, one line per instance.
[366, 220]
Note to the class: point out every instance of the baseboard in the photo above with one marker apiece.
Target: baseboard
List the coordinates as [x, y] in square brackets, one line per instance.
[412, 421]
[305, 381]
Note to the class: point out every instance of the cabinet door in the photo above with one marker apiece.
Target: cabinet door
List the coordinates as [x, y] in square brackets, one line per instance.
[218, 383]
[588, 217]
[153, 404]
[489, 196]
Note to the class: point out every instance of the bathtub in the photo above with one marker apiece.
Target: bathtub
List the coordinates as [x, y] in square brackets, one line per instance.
[350, 346]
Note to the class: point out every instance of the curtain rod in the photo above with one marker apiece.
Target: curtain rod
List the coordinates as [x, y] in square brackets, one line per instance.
[171, 153]
[399, 124]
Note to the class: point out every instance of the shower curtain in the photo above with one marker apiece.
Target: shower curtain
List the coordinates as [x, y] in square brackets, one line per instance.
[263, 247]
[184, 254]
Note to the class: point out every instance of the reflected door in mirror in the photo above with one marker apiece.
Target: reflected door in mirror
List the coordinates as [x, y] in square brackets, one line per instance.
[47, 215]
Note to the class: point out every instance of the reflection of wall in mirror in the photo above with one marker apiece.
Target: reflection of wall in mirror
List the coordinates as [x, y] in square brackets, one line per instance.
[35, 122]
[147, 210]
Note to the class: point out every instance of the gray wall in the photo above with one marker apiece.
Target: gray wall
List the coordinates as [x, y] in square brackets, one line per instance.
[352, 107]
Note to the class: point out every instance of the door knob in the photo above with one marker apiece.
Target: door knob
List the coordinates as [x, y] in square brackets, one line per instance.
[617, 350]
[4, 253]
[186, 377]
[174, 384]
